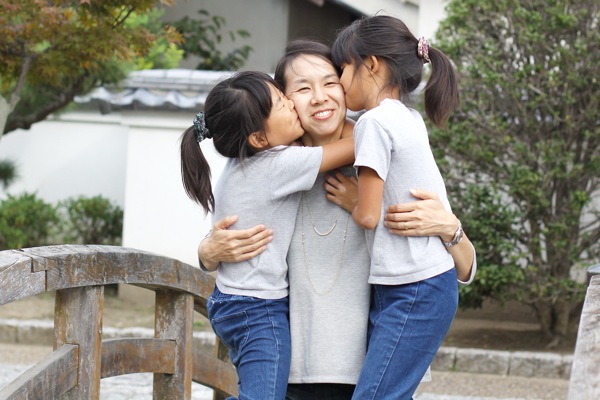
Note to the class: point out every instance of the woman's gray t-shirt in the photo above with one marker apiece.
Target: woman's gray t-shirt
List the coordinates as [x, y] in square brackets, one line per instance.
[329, 292]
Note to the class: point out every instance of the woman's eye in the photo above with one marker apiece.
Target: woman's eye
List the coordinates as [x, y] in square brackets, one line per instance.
[329, 84]
[303, 89]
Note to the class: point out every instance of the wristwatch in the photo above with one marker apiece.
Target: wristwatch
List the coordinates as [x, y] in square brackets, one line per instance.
[457, 237]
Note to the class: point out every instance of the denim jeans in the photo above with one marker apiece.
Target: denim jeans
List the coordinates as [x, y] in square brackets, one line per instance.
[257, 332]
[407, 324]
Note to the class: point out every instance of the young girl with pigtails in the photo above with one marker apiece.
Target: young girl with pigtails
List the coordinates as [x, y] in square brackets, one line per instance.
[253, 124]
[415, 291]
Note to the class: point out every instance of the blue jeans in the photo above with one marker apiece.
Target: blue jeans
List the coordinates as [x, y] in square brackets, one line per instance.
[407, 324]
[257, 332]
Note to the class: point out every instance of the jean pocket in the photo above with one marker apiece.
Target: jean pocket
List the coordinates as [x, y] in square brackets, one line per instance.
[232, 329]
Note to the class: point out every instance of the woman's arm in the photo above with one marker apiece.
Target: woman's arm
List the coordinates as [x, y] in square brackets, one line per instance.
[225, 245]
[424, 217]
[428, 217]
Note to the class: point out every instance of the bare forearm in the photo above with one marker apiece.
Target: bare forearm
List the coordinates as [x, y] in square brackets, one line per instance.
[463, 256]
[206, 256]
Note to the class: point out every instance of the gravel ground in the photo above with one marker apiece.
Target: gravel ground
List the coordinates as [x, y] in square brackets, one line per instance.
[445, 385]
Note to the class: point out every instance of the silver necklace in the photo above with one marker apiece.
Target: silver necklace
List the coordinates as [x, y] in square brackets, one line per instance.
[341, 260]
[313, 223]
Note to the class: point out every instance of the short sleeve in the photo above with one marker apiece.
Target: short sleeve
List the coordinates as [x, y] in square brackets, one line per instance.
[372, 146]
[295, 169]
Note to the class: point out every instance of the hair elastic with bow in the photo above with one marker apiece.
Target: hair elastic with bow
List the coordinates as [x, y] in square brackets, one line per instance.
[423, 49]
[200, 128]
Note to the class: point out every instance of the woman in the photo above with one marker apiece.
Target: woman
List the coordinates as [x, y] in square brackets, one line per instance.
[328, 260]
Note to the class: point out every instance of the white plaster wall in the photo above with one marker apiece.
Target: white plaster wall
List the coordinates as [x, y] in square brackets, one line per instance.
[430, 13]
[159, 217]
[407, 11]
[130, 157]
[69, 156]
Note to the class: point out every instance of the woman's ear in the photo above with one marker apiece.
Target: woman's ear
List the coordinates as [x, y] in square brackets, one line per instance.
[258, 140]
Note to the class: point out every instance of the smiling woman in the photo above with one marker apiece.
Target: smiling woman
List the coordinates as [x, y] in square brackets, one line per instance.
[314, 86]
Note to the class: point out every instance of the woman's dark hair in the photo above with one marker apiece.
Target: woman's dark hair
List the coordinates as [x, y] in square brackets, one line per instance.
[234, 109]
[388, 39]
[298, 48]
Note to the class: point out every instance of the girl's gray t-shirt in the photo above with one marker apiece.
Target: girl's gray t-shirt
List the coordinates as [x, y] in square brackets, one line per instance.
[264, 189]
[392, 140]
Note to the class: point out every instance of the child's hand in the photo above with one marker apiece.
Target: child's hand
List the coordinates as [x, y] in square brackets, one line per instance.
[342, 190]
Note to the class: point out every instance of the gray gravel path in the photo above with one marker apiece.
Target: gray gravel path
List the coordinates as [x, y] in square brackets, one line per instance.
[16, 358]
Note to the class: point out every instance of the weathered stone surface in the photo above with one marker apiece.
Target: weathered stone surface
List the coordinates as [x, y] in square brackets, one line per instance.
[482, 361]
[36, 332]
[543, 365]
[8, 330]
[585, 374]
[444, 359]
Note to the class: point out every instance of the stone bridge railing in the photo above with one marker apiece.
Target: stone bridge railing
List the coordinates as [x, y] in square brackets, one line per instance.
[585, 373]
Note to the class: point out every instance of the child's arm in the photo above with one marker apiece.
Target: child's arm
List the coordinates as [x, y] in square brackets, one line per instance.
[370, 196]
[337, 154]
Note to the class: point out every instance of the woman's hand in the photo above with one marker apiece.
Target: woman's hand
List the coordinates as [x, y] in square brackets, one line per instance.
[342, 190]
[429, 217]
[224, 245]
[425, 217]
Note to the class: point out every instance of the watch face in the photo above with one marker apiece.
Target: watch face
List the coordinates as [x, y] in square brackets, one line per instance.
[457, 237]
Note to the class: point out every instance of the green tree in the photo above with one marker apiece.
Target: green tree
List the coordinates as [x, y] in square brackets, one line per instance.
[52, 51]
[202, 38]
[528, 138]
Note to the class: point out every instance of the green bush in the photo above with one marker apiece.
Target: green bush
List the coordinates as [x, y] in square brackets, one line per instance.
[26, 221]
[92, 220]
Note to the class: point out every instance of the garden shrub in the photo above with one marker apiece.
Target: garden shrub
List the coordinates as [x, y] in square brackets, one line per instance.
[92, 220]
[27, 221]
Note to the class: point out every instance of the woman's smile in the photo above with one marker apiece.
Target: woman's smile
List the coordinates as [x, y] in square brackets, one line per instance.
[323, 114]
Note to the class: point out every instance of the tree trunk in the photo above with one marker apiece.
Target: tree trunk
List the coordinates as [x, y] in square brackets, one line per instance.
[4, 111]
[543, 310]
[554, 319]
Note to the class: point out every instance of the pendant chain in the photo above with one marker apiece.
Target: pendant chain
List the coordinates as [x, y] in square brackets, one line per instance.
[341, 260]
[313, 223]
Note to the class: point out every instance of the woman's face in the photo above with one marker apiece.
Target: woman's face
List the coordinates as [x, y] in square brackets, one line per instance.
[312, 83]
[282, 127]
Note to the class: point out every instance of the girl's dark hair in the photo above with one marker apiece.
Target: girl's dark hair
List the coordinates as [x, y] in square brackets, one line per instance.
[298, 48]
[388, 39]
[234, 109]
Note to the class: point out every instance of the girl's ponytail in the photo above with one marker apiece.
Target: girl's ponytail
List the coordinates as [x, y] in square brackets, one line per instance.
[441, 91]
[195, 171]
